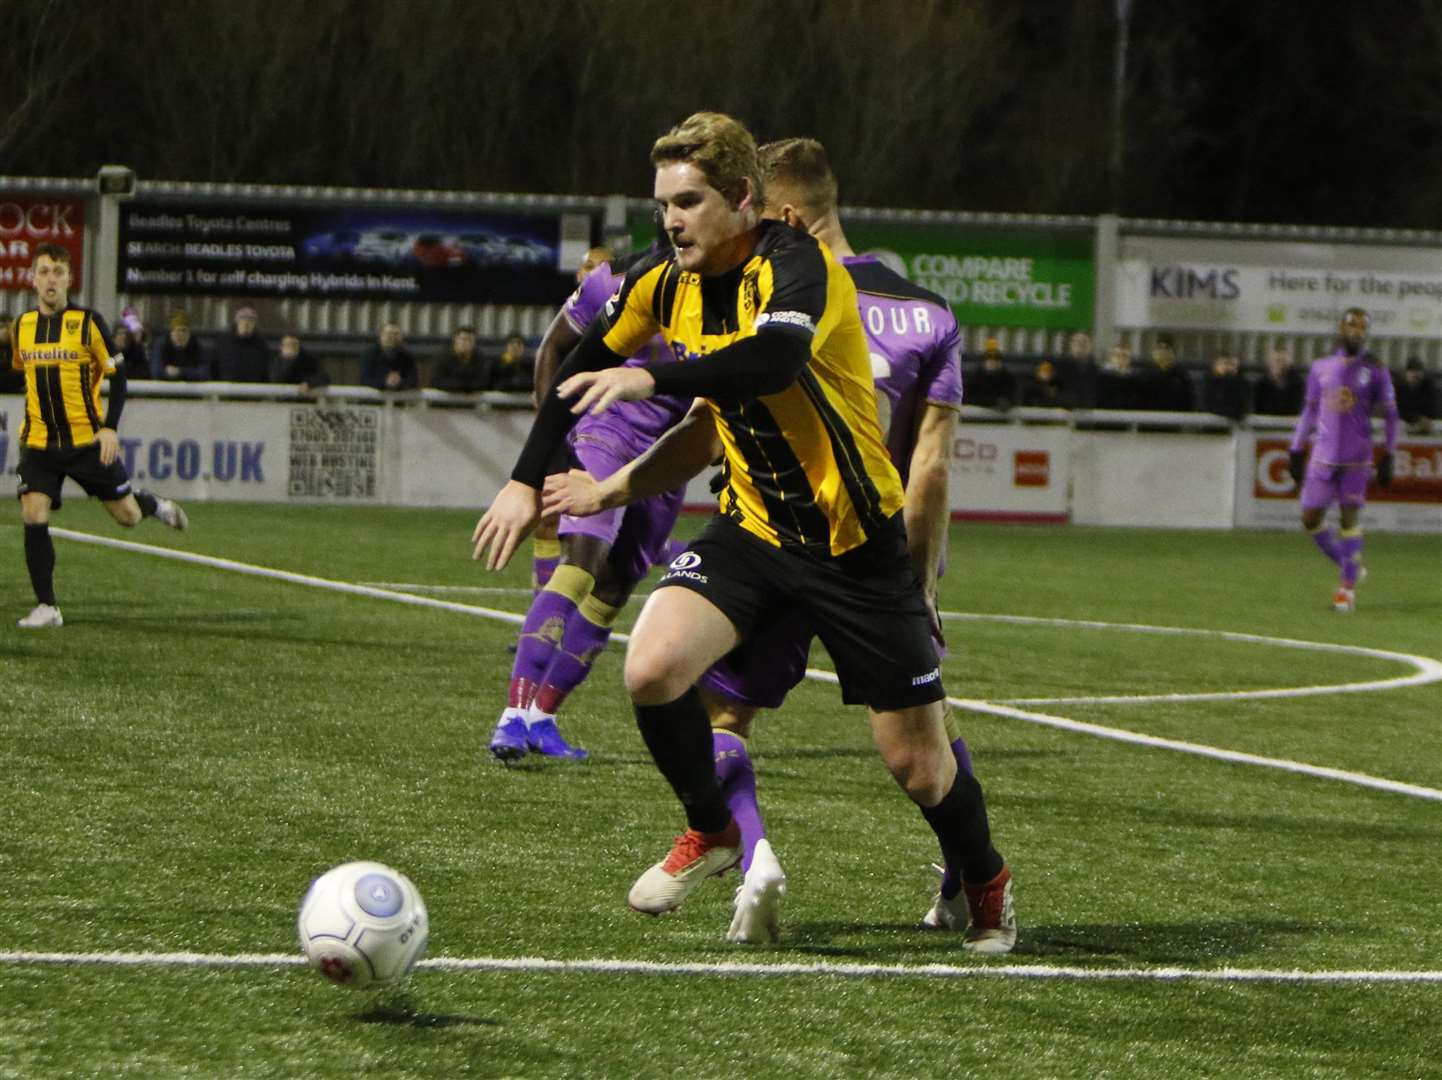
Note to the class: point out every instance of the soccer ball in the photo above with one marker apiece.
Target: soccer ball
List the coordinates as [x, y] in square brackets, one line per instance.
[363, 924]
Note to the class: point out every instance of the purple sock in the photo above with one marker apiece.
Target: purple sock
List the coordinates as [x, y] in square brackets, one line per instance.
[738, 788]
[1326, 540]
[1349, 548]
[540, 635]
[582, 642]
[962, 755]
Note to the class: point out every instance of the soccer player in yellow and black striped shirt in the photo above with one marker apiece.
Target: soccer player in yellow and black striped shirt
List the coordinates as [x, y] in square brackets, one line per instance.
[765, 325]
[65, 351]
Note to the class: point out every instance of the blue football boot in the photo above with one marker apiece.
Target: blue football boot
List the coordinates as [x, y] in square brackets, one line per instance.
[509, 741]
[543, 737]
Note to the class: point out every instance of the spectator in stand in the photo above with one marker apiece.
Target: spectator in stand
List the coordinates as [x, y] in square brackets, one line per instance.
[514, 371]
[462, 370]
[991, 386]
[1279, 391]
[179, 354]
[11, 381]
[295, 365]
[1044, 388]
[130, 343]
[1225, 392]
[389, 365]
[1164, 386]
[1416, 397]
[1117, 382]
[1080, 370]
[244, 356]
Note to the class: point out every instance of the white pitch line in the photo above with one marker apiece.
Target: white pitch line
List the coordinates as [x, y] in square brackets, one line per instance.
[286, 575]
[1007, 711]
[1236, 757]
[1426, 670]
[744, 968]
[479, 590]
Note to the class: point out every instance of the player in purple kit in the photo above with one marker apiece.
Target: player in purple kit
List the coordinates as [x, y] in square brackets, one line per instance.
[1344, 389]
[601, 557]
[557, 341]
[915, 354]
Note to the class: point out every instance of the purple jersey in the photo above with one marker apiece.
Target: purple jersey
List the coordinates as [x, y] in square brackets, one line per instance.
[1342, 394]
[915, 351]
[638, 424]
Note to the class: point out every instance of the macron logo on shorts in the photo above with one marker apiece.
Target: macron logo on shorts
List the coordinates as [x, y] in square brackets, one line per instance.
[930, 677]
[684, 566]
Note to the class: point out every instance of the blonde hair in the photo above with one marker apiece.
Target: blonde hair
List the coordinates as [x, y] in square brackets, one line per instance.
[721, 148]
[800, 169]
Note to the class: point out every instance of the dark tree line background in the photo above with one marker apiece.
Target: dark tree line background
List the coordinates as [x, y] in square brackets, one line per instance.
[1308, 111]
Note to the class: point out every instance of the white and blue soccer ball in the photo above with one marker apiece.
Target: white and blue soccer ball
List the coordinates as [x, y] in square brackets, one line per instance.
[363, 925]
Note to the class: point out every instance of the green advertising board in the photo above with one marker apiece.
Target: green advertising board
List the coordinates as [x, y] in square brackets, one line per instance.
[991, 277]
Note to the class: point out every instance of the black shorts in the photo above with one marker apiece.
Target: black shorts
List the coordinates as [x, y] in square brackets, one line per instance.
[45, 471]
[867, 606]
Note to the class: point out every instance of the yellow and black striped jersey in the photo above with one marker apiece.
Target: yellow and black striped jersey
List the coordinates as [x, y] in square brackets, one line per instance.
[64, 357]
[808, 465]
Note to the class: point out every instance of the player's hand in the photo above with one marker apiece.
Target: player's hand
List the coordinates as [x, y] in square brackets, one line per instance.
[1384, 470]
[575, 493]
[596, 390]
[1297, 466]
[109, 445]
[509, 520]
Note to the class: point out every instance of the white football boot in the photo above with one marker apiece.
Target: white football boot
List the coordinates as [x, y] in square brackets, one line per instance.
[758, 901]
[169, 512]
[986, 915]
[693, 858]
[44, 617]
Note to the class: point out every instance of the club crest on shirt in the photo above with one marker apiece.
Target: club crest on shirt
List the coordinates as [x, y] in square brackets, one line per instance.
[1341, 399]
[72, 326]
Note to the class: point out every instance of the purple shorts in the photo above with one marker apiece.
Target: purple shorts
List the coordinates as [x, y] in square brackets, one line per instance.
[761, 671]
[636, 534]
[1345, 485]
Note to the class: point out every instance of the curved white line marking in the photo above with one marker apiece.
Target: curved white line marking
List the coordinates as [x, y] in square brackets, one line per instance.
[735, 968]
[1010, 712]
[1425, 669]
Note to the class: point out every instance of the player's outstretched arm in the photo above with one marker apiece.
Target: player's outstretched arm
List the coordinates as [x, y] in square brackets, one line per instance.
[508, 521]
[673, 459]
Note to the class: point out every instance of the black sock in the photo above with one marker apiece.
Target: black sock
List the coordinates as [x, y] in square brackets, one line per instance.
[147, 501]
[40, 561]
[679, 738]
[963, 831]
